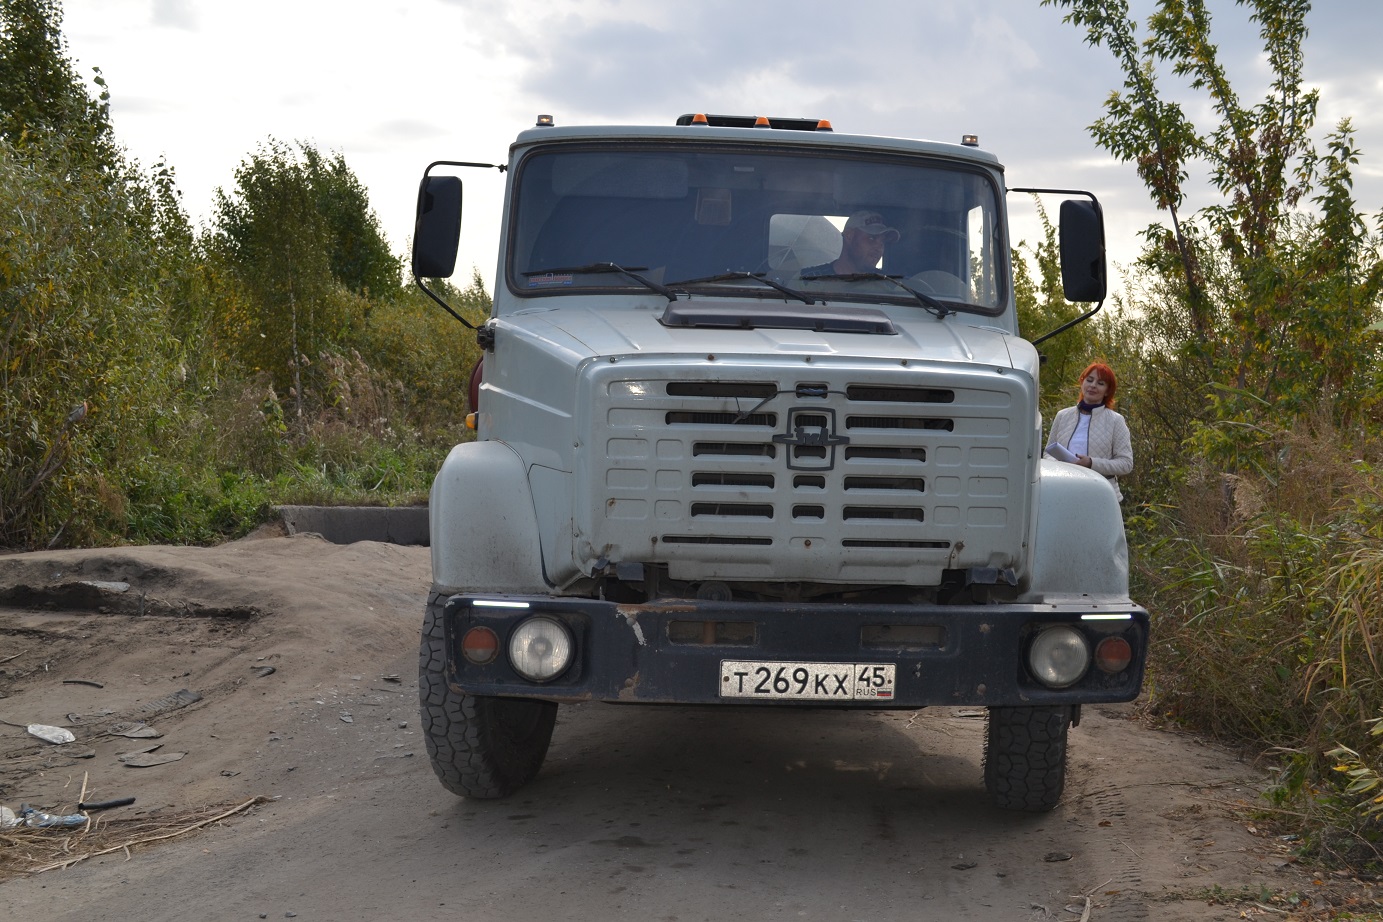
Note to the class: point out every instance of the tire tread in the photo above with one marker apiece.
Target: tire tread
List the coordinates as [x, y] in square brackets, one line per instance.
[471, 739]
[1025, 756]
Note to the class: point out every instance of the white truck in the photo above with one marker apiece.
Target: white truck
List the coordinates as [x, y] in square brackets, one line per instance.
[715, 463]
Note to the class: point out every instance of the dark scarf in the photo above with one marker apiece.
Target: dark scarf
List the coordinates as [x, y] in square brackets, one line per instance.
[1087, 407]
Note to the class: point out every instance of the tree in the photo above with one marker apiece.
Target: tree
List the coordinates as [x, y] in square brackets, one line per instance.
[359, 256]
[88, 362]
[40, 92]
[93, 256]
[276, 242]
[1245, 272]
[298, 233]
[1141, 127]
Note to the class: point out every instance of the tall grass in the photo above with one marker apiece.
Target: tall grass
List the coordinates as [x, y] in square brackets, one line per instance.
[1268, 591]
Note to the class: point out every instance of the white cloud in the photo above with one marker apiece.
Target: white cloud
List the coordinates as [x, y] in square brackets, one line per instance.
[176, 14]
[395, 84]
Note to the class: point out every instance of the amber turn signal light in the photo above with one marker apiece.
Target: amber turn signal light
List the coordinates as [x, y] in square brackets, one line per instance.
[1113, 654]
[480, 646]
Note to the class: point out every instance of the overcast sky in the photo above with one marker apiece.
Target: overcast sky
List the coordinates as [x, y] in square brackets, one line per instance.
[396, 84]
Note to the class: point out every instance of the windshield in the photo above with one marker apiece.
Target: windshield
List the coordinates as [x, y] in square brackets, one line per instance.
[825, 226]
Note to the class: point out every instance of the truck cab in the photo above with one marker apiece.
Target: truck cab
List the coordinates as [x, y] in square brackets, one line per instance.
[722, 458]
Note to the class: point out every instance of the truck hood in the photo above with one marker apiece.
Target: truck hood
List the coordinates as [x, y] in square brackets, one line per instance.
[599, 330]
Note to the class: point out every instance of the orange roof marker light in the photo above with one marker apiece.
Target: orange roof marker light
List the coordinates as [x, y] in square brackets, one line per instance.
[754, 121]
[970, 140]
[545, 121]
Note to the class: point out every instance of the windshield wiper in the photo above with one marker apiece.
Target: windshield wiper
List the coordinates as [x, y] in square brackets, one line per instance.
[599, 268]
[927, 301]
[756, 276]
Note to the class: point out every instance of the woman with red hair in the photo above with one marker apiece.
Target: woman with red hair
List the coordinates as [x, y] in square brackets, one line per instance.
[1090, 433]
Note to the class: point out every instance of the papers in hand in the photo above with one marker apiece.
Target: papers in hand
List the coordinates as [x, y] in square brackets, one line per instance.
[1059, 452]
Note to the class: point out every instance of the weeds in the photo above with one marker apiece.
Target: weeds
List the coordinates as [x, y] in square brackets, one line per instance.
[1268, 589]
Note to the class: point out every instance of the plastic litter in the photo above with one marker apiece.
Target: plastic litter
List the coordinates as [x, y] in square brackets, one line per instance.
[37, 819]
[51, 734]
[7, 818]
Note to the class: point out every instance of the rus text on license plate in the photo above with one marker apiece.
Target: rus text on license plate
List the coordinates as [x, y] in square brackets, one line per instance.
[807, 681]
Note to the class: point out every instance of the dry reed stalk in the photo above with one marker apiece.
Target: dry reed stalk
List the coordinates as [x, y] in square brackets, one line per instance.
[32, 845]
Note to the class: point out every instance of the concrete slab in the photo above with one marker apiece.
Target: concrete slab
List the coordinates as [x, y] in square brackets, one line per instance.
[348, 524]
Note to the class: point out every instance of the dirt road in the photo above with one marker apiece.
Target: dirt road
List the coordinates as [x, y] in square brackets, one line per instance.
[301, 656]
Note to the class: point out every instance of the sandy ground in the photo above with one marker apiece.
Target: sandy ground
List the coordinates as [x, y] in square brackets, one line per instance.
[301, 657]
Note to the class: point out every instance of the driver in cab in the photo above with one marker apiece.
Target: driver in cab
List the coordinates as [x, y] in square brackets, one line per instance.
[862, 245]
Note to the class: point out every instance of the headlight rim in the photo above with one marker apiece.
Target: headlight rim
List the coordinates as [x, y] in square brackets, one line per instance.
[564, 632]
[1041, 645]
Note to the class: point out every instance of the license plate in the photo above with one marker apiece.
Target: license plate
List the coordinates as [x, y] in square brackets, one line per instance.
[807, 681]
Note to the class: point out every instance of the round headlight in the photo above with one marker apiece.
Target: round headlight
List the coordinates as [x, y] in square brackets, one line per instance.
[1059, 656]
[540, 649]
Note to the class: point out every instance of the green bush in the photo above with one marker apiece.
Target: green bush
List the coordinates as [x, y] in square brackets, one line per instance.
[127, 414]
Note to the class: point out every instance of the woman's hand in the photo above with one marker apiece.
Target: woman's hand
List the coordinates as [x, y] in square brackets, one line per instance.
[1083, 460]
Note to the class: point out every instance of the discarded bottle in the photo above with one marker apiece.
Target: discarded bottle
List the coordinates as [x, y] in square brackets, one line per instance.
[36, 819]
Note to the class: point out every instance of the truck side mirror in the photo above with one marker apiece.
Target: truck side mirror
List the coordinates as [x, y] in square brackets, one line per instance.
[1082, 251]
[437, 231]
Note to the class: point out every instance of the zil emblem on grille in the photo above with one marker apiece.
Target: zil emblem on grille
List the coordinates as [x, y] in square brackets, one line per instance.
[811, 439]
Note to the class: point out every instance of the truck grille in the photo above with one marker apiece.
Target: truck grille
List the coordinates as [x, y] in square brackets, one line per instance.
[836, 478]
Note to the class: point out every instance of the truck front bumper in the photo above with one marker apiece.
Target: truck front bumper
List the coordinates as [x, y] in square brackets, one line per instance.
[672, 651]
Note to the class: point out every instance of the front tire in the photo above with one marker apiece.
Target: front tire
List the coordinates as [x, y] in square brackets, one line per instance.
[1025, 757]
[479, 746]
